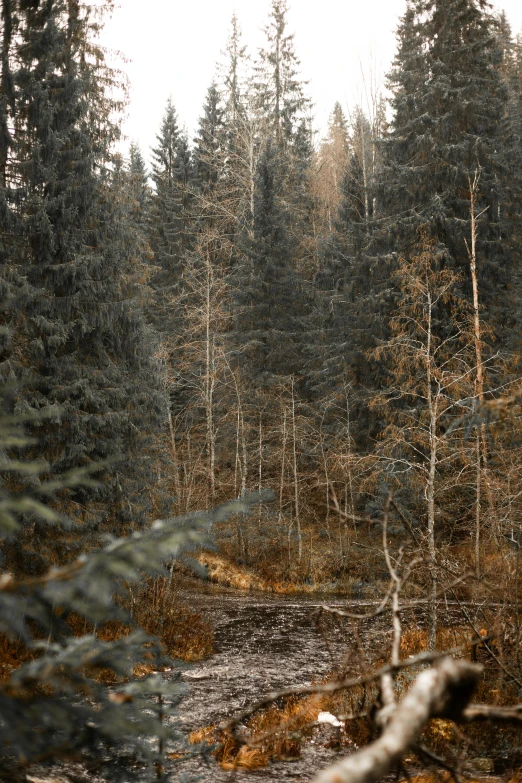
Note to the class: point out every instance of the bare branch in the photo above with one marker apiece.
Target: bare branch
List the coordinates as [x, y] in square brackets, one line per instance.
[443, 691]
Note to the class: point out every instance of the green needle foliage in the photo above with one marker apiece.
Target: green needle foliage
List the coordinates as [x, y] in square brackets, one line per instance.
[54, 706]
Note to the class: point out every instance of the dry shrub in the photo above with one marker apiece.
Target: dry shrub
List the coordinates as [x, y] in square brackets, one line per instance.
[224, 572]
[276, 733]
[415, 640]
[157, 608]
[185, 632]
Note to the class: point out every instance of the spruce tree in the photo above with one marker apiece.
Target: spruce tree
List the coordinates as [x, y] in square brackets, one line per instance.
[449, 102]
[268, 291]
[280, 90]
[351, 287]
[165, 224]
[171, 229]
[78, 340]
[139, 177]
[446, 183]
[208, 146]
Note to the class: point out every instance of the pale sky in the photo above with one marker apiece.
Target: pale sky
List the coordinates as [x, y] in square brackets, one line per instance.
[173, 47]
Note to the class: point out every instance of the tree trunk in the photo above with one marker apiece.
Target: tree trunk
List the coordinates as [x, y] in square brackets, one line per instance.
[296, 483]
[430, 485]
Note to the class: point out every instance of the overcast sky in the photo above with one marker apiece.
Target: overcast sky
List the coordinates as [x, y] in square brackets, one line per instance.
[172, 48]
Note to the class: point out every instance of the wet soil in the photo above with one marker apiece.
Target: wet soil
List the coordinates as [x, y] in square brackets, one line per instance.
[263, 643]
[266, 643]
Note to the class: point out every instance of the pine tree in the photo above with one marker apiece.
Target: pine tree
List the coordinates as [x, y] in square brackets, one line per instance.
[269, 294]
[171, 235]
[165, 223]
[449, 103]
[78, 340]
[281, 91]
[139, 177]
[351, 283]
[209, 143]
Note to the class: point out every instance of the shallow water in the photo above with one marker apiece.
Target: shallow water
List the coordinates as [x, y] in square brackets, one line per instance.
[262, 643]
[265, 642]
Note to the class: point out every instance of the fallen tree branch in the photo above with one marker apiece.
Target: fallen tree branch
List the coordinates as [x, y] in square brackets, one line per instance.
[483, 712]
[442, 691]
[383, 607]
[337, 686]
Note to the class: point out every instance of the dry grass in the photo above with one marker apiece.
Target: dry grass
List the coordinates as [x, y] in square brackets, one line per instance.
[185, 633]
[415, 640]
[225, 572]
[244, 758]
[276, 733]
[438, 777]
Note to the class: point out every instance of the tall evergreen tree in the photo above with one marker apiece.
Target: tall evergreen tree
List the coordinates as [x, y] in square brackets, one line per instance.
[280, 90]
[449, 102]
[170, 224]
[209, 143]
[139, 176]
[351, 287]
[165, 228]
[78, 341]
[269, 293]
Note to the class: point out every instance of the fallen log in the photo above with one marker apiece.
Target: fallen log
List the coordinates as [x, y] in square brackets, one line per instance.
[443, 691]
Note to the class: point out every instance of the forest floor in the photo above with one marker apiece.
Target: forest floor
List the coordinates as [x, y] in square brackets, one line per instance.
[265, 641]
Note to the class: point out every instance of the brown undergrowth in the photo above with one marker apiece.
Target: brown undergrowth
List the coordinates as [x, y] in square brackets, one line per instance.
[267, 577]
[274, 734]
[501, 747]
[155, 606]
[186, 633]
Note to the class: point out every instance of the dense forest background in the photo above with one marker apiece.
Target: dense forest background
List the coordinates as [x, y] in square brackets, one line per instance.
[248, 309]
[338, 323]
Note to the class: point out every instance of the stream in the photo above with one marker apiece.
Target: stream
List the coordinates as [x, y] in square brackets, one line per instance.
[262, 643]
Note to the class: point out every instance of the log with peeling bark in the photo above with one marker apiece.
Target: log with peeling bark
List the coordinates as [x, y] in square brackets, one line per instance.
[443, 691]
